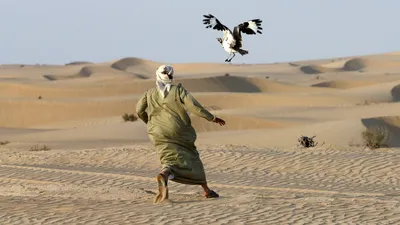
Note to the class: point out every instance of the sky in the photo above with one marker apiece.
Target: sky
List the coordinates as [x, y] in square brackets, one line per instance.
[62, 31]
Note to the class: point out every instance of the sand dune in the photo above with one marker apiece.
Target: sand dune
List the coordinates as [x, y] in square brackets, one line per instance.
[236, 123]
[147, 68]
[327, 123]
[127, 84]
[380, 92]
[88, 71]
[242, 84]
[34, 73]
[44, 111]
[314, 69]
[396, 93]
[101, 169]
[343, 84]
[78, 63]
[354, 64]
[125, 63]
[76, 134]
[116, 68]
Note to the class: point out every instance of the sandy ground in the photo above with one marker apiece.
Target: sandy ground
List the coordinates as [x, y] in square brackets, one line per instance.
[101, 170]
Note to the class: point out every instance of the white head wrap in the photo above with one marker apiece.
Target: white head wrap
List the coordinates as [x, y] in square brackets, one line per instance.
[163, 81]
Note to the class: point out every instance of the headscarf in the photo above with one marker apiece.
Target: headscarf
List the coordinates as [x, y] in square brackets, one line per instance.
[164, 75]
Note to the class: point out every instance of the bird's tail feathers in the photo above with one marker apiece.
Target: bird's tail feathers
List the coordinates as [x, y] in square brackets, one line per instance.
[243, 52]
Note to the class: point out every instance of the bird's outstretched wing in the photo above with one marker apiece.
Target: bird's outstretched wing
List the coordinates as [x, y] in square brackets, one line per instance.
[212, 22]
[250, 27]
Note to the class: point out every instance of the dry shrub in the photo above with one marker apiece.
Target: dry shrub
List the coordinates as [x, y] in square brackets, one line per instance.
[319, 77]
[37, 148]
[307, 142]
[376, 137]
[4, 142]
[129, 117]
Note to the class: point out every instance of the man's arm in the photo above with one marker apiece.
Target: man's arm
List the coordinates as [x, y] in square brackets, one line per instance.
[193, 105]
[141, 107]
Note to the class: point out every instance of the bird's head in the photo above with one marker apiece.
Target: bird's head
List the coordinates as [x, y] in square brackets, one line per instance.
[219, 40]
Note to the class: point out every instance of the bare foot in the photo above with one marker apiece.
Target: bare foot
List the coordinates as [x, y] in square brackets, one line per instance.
[208, 193]
[162, 195]
[211, 194]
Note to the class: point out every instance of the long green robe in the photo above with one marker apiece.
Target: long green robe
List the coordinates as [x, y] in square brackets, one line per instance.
[170, 131]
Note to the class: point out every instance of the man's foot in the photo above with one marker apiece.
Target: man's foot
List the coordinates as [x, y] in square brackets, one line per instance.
[162, 189]
[211, 194]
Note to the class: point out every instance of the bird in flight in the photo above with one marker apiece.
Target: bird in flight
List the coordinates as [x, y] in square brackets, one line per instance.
[232, 41]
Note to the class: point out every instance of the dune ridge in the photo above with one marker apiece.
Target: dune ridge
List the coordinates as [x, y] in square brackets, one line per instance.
[344, 84]
[125, 63]
[88, 71]
[78, 63]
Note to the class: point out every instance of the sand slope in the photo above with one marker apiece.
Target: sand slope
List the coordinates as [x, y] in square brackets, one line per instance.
[343, 84]
[101, 169]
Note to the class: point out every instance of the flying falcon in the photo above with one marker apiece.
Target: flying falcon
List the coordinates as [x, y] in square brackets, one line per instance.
[232, 41]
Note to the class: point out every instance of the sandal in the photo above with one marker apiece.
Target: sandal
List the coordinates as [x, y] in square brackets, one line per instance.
[162, 189]
[211, 194]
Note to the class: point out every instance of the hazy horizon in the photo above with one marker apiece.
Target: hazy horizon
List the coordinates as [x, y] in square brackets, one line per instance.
[49, 32]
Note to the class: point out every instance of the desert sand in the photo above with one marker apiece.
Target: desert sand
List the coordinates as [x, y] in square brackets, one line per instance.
[100, 169]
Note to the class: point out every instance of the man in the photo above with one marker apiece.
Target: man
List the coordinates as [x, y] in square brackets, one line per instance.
[170, 131]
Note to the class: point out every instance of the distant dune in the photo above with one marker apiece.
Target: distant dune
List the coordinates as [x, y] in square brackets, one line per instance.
[78, 63]
[315, 69]
[240, 84]
[133, 85]
[125, 63]
[354, 64]
[88, 71]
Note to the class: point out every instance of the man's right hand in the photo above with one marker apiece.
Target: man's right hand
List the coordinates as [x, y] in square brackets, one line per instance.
[220, 121]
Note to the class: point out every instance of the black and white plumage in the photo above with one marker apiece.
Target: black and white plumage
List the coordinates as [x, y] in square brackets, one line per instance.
[232, 41]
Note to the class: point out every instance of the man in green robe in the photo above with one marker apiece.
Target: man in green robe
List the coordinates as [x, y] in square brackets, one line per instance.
[163, 109]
